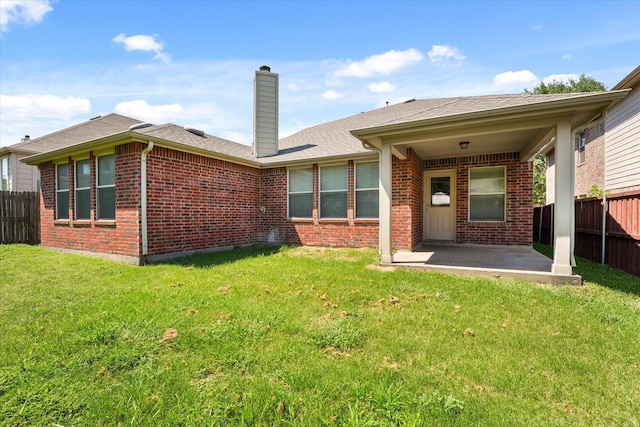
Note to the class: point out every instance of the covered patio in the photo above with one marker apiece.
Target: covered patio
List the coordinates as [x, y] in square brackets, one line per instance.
[483, 128]
[493, 261]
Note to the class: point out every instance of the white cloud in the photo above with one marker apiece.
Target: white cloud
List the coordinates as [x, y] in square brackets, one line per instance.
[511, 78]
[440, 53]
[380, 65]
[537, 27]
[332, 94]
[24, 12]
[566, 57]
[156, 114]
[42, 106]
[143, 43]
[382, 87]
[560, 78]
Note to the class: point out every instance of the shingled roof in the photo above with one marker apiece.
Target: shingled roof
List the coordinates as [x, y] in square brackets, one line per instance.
[97, 127]
[321, 142]
[334, 139]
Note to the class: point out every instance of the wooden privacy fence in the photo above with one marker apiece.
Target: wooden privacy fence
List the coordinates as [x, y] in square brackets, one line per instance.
[607, 229]
[19, 217]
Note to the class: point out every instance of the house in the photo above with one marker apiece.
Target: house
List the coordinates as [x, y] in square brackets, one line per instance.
[18, 176]
[450, 169]
[606, 149]
[622, 139]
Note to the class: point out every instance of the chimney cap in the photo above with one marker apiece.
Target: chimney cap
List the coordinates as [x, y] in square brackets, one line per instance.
[265, 68]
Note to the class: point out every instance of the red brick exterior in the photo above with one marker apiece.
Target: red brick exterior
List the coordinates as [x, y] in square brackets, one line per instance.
[516, 229]
[315, 231]
[198, 203]
[591, 172]
[120, 237]
[406, 201]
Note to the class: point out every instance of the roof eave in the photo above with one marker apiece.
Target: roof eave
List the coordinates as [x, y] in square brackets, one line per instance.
[629, 81]
[83, 147]
[126, 137]
[320, 159]
[560, 106]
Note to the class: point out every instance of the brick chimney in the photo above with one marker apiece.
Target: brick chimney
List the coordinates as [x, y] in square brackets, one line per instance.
[265, 113]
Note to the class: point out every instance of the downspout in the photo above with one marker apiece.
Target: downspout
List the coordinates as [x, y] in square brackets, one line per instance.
[591, 124]
[143, 197]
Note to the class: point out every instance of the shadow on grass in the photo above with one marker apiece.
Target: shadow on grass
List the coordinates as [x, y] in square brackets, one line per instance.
[211, 259]
[602, 275]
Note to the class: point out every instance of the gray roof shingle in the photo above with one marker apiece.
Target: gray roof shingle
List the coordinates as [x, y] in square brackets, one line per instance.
[91, 129]
[327, 140]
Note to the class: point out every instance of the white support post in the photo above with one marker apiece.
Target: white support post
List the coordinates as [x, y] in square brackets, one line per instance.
[563, 211]
[384, 228]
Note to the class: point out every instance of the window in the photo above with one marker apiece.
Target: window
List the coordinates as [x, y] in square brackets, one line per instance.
[106, 187]
[62, 191]
[367, 190]
[441, 191]
[301, 193]
[83, 189]
[487, 194]
[5, 175]
[333, 191]
[581, 142]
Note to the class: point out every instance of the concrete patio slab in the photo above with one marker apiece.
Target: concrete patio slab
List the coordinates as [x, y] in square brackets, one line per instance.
[509, 262]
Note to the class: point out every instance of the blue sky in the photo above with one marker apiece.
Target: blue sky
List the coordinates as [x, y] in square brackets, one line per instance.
[193, 62]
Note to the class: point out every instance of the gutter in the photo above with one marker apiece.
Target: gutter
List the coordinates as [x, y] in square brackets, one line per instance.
[143, 197]
[524, 111]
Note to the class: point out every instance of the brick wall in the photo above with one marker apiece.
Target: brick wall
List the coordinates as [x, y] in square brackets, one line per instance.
[199, 203]
[516, 229]
[120, 237]
[406, 201]
[275, 227]
[591, 172]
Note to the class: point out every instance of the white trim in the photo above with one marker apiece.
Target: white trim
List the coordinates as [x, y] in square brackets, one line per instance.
[289, 192]
[76, 188]
[345, 190]
[67, 190]
[376, 188]
[98, 187]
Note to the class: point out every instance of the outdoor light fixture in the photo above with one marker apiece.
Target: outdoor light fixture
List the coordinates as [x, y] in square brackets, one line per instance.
[464, 144]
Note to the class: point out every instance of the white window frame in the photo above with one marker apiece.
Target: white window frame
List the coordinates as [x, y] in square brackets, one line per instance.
[5, 172]
[77, 188]
[503, 193]
[64, 190]
[582, 142]
[99, 187]
[289, 192]
[363, 190]
[322, 192]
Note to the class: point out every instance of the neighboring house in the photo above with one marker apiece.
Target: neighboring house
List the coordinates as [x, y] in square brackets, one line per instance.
[606, 153]
[454, 169]
[622, 139]
[18, 176]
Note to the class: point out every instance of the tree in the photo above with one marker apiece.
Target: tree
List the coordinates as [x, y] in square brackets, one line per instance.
[583, 84]
[539, 180]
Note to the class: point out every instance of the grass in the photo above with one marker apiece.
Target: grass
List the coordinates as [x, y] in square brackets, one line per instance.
[309, 337]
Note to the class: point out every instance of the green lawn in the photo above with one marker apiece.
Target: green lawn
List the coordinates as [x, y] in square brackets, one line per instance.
[306, 337]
